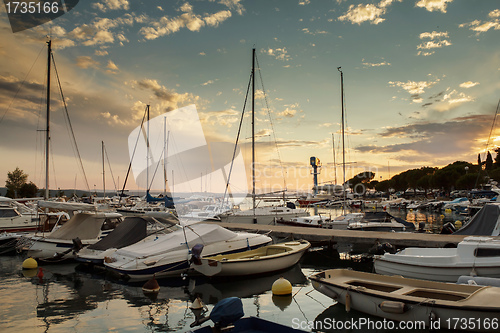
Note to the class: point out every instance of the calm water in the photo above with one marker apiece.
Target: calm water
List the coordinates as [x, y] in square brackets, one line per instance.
[69, 299]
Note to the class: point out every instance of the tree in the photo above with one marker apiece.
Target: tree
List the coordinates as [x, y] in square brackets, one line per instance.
[15, 180]
[28, 190]
[488, 165]
[496, 162]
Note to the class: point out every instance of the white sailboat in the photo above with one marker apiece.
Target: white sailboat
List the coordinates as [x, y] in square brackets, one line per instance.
[260, 215]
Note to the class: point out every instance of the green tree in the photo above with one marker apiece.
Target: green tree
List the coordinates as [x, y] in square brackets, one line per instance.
[496, 161]
[28, 190]
[15, 180]
[488, 165]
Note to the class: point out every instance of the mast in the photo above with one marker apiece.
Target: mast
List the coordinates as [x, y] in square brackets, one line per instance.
[147, 154]
[47, 131]
[334, 161]
[343, 140]
[253, 134]
[103, 172]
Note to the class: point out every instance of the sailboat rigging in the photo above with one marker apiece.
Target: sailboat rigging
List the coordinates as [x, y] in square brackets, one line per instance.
[260, 215]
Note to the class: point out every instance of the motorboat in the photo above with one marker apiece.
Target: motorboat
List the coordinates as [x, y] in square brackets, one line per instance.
[168, 255]
[85, 227]
[313, 221]
[132, 230]
[380, 221]
[437, 304]
[16, 217]
[263, 215]
[473, 256]
[263, 260]
[206, 213]
[342, 221]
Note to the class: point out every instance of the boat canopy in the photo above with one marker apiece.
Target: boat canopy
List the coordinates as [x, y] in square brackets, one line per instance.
[81, 225]
[67, 206]
[486, 222]
[128, 232]
[193, 234]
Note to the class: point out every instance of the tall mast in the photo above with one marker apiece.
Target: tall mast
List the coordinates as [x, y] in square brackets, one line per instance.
[47, 131]
[164, 155]
[343, 141]
[253, 132]
[103, 172]
[334, 161]
[147, 155]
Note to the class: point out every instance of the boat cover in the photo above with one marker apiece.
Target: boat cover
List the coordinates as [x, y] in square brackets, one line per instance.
[128, 232]
[194, 234]
[484, 223]
[68, 206]
[81, 225]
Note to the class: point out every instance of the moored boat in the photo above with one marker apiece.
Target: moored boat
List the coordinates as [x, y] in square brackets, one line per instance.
[473, 256]
[168, 255]
[436, 304]
[263, 260]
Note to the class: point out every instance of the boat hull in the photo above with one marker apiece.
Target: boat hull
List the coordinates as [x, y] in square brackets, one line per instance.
[250, 263]
[435, 304]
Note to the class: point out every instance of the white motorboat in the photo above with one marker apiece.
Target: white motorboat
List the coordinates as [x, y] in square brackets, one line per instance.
[208, 212]
[342, 221]
[263, 260]
[82, 229]
[439, 305]
[380, 221]
[473, 256]
[313, 221]
[16, 217]
[132, 230]
[169, 255]
[263, 215]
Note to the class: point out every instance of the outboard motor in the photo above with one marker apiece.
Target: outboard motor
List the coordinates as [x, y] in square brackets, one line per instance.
[448, 229]
[196, 254]
[224, 314]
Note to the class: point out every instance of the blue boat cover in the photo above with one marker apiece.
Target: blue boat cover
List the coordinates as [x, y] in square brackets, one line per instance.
[227, 311]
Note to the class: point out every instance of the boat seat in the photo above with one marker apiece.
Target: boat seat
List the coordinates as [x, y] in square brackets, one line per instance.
[272, 251]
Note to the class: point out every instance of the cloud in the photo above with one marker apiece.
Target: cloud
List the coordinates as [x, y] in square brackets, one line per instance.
[278, 53]
[112, 5]
[170, 99]
[304, 2]
[220, 118]
[478, 26]
[468, 84]
[414, 87]
[383, 63]
[188, 19]
[317, 32]
[437, 40]
[456, 137]
[370, 12]
[433, 5]
[87, 62]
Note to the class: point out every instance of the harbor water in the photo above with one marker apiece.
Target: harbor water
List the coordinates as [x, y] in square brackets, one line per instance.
[70, 298]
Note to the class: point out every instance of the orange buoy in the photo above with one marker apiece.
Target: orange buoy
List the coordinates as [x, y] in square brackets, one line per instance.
[40, 274]
[151, 286]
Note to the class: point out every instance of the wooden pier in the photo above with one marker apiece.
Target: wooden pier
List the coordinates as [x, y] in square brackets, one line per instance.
[325, 237]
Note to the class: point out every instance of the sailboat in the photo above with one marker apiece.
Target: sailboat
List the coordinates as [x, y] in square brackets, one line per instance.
[260, 215]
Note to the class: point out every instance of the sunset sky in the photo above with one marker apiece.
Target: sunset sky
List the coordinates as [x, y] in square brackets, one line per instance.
[421, 81]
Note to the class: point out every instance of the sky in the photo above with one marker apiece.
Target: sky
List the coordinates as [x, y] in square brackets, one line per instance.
[421, 84]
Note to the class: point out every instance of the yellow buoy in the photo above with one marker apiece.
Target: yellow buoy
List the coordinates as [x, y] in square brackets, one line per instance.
[458, 224]
[282, 287]
[30, 273]
[30, 263]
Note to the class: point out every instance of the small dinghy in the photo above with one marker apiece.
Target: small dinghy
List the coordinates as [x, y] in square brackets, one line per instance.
[437, 304]
[263, 260]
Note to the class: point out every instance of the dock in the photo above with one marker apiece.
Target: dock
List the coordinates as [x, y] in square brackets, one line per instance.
[329, 237]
